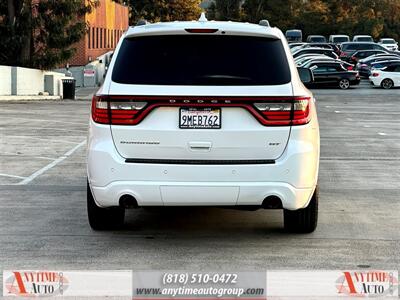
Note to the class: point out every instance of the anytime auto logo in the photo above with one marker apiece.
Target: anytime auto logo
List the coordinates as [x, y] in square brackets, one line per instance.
[368, 283]
[35, 283]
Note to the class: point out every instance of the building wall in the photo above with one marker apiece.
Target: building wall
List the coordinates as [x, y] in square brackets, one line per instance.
[5, 79]
[106, 24]
[17, 81]
[29, 81]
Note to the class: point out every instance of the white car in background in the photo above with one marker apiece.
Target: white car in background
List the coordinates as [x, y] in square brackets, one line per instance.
[203, 114]
[389, 44]
[387, 77]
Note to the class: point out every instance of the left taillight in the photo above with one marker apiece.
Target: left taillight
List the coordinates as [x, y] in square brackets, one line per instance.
[107, 110]
[100, 113]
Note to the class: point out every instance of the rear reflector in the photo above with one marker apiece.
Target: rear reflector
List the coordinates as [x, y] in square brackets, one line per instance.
[269, 111]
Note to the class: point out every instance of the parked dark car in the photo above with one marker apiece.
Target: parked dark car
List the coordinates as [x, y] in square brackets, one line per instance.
[364, 54]
[327, 52]
[348, 49]
[333, 74]
[316, 39]
[364, 65]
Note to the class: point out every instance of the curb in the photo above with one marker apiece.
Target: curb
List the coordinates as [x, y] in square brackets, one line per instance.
[28, 98]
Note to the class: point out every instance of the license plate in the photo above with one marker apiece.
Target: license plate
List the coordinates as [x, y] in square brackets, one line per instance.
[200, 118]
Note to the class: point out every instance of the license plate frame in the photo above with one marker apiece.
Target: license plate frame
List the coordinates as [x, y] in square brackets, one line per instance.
[197, 111]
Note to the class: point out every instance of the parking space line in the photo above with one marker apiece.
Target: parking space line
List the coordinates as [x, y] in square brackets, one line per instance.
[21, 154]
[12, 176]
[53, 128]
[43, 120]
[51, 165]
[41, 139]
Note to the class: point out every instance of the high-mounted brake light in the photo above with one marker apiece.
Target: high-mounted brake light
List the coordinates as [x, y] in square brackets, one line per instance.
[269, 111]
[201, 30]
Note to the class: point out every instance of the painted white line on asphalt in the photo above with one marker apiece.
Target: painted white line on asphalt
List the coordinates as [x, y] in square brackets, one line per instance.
[24, 155]
[42, 120]
[51, 128]
[382, 133]
[41, 139]
[12, 176]
[51, 165]
[367, 112]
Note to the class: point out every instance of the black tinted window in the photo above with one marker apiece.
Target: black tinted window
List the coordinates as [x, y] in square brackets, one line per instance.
[340, 39]
[201, 60]
[357, 47]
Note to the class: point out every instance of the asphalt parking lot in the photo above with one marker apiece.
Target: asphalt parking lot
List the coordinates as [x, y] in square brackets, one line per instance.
[43, 199]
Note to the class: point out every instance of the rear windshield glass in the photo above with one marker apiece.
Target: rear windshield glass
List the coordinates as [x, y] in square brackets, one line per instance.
[201, 60]
[364, 39]
[340, 39]
[317, 39]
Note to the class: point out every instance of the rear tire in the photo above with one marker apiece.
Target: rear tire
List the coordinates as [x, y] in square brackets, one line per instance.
[103, 218]
[344, 84]
[387, 83]
[303, 220]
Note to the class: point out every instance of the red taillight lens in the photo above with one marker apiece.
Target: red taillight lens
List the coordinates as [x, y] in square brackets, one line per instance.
[350, 68]
[294, 111]
[342, 54]
[100, 110]
[375, 74]
[269, 111]
[301, 111]
[124, 112]
[120, 112]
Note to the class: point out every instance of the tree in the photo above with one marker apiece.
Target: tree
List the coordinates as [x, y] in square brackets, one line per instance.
[280, 13]
[375, 17]
[164, 10]
[41, 34]
[224, 10]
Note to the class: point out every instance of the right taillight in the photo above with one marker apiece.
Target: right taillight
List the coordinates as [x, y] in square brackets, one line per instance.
[294, 111]
[301, 111]
[375, 74]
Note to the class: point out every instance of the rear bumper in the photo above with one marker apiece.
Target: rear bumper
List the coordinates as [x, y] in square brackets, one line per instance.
[292, 177]
[375, 81]
[201, 194]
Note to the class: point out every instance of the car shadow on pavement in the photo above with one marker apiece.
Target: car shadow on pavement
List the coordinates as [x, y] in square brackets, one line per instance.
[201, 221]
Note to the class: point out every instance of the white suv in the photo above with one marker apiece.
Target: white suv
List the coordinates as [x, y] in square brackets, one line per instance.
[203, 114]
